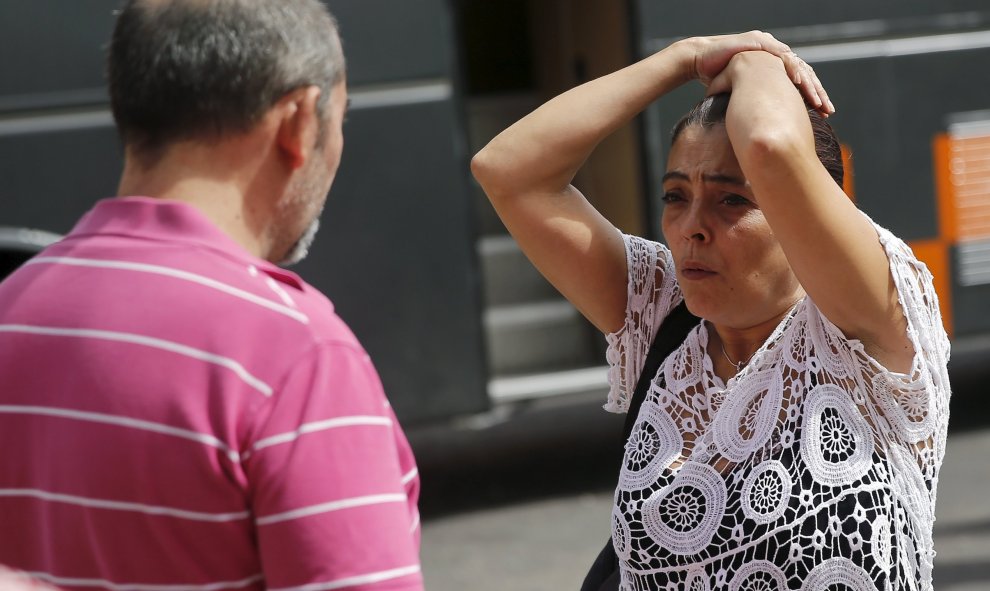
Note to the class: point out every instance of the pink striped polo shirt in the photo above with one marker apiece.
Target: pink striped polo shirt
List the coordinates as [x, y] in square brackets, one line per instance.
[178, 414]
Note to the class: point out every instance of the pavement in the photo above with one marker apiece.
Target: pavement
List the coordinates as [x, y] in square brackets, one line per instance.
[520, 499]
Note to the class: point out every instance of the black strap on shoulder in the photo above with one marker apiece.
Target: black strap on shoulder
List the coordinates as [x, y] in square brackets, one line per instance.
[604, 572]
[672, 333]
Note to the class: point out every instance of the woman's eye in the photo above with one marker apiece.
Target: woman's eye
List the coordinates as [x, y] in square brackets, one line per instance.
[733, 199]
[671, 197]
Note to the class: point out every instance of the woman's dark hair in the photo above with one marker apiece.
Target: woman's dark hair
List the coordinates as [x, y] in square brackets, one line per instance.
[181, 69]
[711, 111]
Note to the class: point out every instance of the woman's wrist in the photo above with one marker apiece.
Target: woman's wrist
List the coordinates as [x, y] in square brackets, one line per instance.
[683, 55]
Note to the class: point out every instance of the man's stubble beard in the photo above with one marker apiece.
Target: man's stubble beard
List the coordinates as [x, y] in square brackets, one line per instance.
[300, 248]
[309, 189]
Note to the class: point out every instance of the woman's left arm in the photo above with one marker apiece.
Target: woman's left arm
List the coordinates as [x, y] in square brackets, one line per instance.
[832, 248]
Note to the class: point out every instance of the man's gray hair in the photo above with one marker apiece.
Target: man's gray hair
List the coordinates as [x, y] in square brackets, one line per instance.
[187, 69]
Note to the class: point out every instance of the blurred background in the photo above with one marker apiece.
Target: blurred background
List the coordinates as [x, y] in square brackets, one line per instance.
[497, 379]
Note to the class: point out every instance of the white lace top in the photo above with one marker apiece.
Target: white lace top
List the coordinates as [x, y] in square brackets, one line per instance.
[814, 468]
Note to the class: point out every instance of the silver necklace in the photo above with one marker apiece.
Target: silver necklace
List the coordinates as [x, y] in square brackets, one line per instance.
[739, 365]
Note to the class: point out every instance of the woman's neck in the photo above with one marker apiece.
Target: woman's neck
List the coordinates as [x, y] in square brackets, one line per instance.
[732, 348]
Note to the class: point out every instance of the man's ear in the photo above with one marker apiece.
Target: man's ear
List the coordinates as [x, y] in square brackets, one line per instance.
[298, 124]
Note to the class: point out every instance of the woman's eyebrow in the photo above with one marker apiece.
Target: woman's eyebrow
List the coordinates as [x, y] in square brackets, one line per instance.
[722, 179]
[725, 179]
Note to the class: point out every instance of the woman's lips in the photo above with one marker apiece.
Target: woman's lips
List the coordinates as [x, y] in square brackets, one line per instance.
[697, 274]
[695, 271]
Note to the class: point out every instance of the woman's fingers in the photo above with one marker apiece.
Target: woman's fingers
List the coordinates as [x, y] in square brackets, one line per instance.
[719, 84]
[815, 93]
[771, 44]
[809, 84]
[715, 53]
[805, 78]
[799, 71]
[827, 107]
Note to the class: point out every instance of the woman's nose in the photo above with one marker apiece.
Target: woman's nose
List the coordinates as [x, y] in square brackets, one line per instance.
[694, 226]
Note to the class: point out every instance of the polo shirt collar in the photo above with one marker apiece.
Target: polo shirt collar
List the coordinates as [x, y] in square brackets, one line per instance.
[171, 221]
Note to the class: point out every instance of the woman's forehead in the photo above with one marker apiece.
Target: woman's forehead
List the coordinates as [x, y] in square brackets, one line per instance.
[706, 151]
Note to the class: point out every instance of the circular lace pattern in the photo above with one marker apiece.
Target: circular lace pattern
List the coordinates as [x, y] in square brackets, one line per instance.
[838, 574]
[766, 492]
[684, 516]
[837, 443]
[830, 348]
[697, 580]
[759, 575]
[746, 419]
[654, 443]
[907, 408]
[794, 346]
[880, 542]
[683, 369]
[909, 483]
[620, 534]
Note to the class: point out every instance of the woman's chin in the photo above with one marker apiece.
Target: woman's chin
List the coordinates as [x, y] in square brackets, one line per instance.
[699, 306]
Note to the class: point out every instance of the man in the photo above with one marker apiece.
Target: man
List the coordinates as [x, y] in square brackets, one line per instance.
[177, 412]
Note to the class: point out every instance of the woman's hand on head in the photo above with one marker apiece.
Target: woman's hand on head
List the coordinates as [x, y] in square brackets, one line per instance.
[710, 56]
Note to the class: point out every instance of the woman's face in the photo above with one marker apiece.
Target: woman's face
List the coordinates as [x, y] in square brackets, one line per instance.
[730, 267]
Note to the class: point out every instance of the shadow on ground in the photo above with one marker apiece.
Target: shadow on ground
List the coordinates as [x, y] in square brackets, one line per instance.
[536, 453]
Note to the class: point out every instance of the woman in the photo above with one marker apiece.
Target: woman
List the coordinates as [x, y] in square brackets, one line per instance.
[794, 438]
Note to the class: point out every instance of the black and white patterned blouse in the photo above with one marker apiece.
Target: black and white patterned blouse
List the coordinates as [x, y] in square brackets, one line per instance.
[814, 468]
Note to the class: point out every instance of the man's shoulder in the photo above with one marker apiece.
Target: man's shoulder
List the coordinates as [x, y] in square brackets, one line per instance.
[324, 322]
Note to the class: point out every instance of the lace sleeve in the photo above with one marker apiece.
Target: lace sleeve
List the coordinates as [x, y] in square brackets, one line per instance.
[916, 294]
[651, 293]
[914, 406]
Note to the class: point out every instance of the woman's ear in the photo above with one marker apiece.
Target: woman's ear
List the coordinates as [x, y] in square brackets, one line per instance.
[298, 125]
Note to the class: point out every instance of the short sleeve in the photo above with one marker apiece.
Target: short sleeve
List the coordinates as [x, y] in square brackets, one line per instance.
[652, 292]
[916, 294]
[333, 483]
[916, 404]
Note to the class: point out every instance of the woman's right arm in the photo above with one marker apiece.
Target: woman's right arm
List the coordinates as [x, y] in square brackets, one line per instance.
[527, 170]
